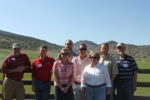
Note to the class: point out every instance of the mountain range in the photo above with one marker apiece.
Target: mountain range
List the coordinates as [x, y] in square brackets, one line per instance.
[8, 38]
[30, 43]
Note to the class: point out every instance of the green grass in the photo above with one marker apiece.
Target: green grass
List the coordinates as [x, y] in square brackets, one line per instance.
[142, 64]
[143, 77]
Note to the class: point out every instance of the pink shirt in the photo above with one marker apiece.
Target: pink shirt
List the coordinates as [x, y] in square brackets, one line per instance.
[64, 72]
[79, 66]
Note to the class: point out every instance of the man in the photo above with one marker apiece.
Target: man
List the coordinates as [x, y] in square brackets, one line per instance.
[69, 46]
[41, 74]
[127, 77]
[80, 62]
[110, 63]
[13, 69]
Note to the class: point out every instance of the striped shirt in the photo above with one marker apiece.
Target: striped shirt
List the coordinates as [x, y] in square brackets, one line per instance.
[126, 67]
[64, 72]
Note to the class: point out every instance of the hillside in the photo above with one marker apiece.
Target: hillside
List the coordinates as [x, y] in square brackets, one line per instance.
[7, 38]
[139, 52]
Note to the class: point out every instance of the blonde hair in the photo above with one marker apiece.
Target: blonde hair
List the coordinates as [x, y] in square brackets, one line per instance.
[63, 50]
[94, 53]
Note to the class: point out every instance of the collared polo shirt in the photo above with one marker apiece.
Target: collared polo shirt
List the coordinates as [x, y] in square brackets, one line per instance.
[12, 62]
[42, 69]
[111, 64]
[79, 66]
[126, 67]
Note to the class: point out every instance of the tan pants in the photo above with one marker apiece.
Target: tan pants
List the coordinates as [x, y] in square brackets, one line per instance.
[13, 88]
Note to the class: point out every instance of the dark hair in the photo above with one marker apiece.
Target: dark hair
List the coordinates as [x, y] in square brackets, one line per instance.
[83, 45]
[106, 44]
[69, 41]
[44, 47]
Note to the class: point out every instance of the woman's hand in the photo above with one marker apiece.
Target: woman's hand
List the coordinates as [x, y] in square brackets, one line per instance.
[82, 89]
[64, 90]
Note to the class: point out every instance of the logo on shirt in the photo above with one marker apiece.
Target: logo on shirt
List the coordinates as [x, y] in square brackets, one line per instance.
[79, 63]
[39, 65]
[125, 65]
[13, 59]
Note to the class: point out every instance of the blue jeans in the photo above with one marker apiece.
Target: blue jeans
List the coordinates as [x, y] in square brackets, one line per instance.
[125, 90]
[42, 90]
[98, 93]
[77, 92]
[110, 97]
[59, 95]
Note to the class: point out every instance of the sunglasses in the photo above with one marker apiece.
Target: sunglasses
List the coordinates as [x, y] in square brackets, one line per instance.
[93, 57]
[65, 54]
[82, 49]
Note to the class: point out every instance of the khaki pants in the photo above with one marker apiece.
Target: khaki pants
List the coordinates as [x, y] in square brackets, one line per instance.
[13, 88]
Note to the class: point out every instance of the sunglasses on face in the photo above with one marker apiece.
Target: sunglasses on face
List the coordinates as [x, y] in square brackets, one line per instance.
[82, 49]
[93, 57]
[64, 54]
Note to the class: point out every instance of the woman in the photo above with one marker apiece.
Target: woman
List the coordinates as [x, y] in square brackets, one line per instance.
[95, 80]
[63, 76]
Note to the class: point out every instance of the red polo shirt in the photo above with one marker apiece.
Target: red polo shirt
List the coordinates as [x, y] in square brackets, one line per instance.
[42, 69]
[12, 62]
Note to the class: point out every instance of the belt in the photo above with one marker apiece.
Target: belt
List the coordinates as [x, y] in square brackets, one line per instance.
[96, 86]
[77, 82]
[125, 80]
[43, 81]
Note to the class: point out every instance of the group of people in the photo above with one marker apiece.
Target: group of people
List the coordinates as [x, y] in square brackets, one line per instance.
[82, 76]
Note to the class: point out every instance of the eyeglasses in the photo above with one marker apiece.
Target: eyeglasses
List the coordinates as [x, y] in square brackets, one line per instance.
[82, 49]
[65, 54]
[93, 57]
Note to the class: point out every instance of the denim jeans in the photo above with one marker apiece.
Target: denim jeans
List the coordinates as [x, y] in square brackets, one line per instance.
[77, 92]
[98, 93]
[110, 97]
[59, 95]
[125, 90]
[42, 90]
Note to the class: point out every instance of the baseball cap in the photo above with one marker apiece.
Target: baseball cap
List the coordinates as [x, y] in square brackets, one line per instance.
[16, 45]
[120, 45]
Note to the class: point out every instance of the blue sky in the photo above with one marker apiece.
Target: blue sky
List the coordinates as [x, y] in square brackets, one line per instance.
[95, 20]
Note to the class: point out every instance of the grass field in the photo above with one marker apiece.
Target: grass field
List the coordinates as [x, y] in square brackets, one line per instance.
[142, 64]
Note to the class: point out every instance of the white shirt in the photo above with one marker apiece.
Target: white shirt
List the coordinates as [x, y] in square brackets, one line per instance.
[95, 75]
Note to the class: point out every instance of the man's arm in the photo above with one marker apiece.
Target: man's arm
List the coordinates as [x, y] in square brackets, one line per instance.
[114, 77]
[33, 86]
[135, 80]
